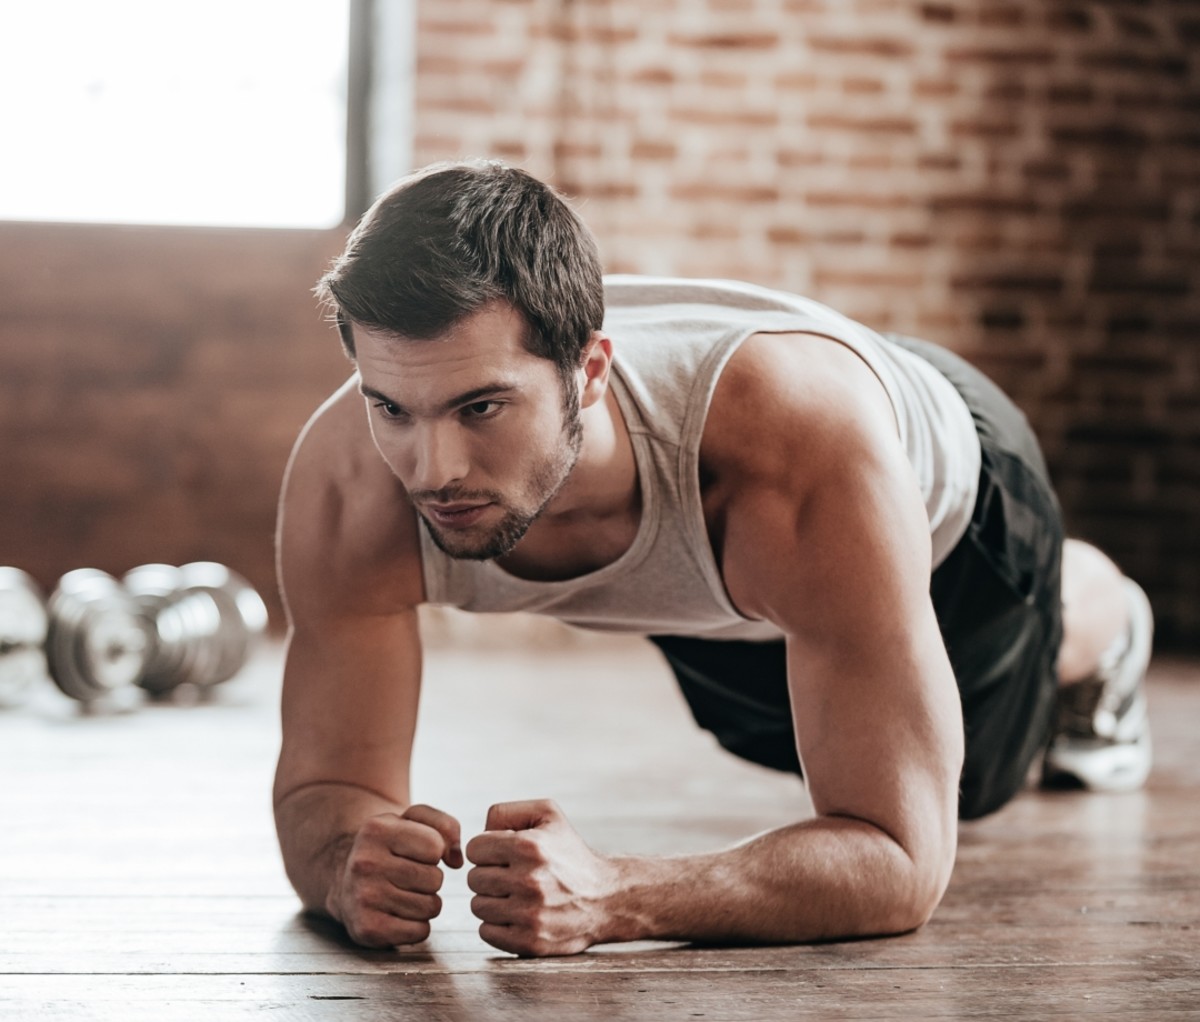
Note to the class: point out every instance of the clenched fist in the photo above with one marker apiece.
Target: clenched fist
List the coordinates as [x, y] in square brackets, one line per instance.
[539, 890]
[386, 891]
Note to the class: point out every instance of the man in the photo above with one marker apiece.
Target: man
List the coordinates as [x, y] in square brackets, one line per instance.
[845, 545]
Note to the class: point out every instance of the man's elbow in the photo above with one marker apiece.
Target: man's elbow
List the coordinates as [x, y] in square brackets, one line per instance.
[925, 877]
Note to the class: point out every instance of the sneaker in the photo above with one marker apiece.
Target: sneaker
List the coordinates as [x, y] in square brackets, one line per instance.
[1102, 732]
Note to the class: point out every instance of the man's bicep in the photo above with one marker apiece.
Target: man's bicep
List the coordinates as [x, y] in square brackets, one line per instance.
[842, 567]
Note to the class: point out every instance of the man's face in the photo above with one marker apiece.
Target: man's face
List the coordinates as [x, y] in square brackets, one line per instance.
[474, 426]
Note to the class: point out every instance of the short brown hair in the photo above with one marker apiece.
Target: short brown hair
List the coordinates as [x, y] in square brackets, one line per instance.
[454, 237]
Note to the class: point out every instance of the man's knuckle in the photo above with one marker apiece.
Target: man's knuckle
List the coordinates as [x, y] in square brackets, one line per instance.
[362, 866]
[529, 885]
[412, 932]
[375, 828]
[367, 932]
[527, 845]
[528, 917]
[537, 946]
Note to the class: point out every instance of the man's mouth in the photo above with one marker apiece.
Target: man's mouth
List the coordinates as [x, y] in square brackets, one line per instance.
[457, 515]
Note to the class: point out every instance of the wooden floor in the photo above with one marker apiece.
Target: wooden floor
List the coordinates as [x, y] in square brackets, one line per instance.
[139, 878]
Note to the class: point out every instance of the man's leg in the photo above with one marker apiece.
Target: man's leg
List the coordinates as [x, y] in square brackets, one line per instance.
[1095, 610]
[1102, 732]
[1088, 701]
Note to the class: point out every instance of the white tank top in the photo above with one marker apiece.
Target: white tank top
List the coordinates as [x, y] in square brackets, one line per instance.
[671, 339]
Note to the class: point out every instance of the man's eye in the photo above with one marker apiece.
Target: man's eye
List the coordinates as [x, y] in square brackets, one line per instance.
[481, 409]
[388, 410]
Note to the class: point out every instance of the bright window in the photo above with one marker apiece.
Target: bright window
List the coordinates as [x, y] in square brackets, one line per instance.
[227, 112]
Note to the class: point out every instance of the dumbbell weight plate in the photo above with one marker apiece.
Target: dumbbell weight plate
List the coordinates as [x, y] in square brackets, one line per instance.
[190, 627]
[23, 626]
[243, 613]
[97, 642]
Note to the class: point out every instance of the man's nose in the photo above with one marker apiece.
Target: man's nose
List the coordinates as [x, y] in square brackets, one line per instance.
[440, 458]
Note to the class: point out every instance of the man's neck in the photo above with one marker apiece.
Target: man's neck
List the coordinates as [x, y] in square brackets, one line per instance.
[595, 518]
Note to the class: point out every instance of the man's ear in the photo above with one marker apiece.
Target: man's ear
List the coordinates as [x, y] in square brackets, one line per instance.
[597, 361]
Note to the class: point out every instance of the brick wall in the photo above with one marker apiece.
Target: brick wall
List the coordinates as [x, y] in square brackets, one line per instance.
[152, 382]
[1017, 179]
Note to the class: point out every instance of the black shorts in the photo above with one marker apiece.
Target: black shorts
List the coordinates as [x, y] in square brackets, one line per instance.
[998, 604]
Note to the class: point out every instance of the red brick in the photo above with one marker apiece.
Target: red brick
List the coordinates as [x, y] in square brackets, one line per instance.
[991, 129]
[1001, 14]
[1007, 91]
[1046, 170]
[846, 46]
[427, 26]
[908, 240]
[654, 76]
[868, 279]
[757, 41]
[729, 116]
[1021, 281]
[600, 189]
[1076, 19]
[871, 161]
[936, 88]
[718, 79]
[860, 200]
[1131, 26]
[514, 150]
[646, 149]
[939, 161]
[569, 32]
[1136, 63]
[985, 202]
[1032, 56]
[788, 236]
[862, 86]
[1071, 93]
[790, 158]
[724, 192]
[867, 125]
[573, 150]
[939, 13]
[708, 231]
[1107, 136]
[799, 81]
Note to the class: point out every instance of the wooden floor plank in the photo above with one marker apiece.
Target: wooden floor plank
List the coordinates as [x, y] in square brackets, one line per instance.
[139, 877]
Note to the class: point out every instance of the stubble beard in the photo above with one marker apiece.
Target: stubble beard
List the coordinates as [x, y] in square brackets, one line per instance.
[547, 482]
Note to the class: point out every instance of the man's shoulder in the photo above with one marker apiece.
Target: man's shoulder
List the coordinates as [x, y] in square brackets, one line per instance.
[346, 526]
[804, 470]
[796, 405]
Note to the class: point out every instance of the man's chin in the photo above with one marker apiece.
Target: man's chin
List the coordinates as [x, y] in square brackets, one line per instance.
[464, 546]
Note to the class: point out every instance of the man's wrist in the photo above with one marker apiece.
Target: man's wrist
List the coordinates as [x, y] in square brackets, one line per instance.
[627, 912]
[333, 862]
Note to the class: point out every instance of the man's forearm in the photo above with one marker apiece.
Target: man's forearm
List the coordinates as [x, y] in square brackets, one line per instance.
[316, 825]
[832, 877]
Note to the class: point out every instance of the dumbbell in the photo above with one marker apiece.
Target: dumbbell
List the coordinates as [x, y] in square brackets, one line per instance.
[202, 621]
[23, 626]
[160, 628]
[97, 643]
